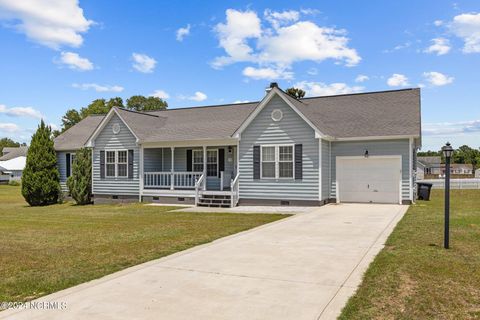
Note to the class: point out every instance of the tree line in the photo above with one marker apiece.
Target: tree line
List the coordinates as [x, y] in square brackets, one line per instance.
[102, 106]
[7, 142]
[464, 154]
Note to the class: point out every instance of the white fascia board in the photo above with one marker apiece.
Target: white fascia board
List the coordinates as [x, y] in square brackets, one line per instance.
[375, 138]
[191, 143]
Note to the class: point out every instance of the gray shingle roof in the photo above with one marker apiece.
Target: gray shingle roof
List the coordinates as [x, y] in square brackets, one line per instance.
[13, 152]
[77, 136]
[198, 123]
[386, 113]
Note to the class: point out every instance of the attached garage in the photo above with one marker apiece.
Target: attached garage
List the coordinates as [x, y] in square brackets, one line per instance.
[375, 179]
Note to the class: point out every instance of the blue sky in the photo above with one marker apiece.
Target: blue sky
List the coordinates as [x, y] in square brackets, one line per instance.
[62, 54]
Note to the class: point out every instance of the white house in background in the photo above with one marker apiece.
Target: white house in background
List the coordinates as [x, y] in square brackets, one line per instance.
[12, 163]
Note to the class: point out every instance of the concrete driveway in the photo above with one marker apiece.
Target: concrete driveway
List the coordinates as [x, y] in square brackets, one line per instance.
[302, 267]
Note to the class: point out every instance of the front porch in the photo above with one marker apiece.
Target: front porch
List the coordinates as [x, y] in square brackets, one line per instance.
[197, 172]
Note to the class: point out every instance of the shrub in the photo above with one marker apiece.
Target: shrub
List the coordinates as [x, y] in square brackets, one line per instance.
[40, 178]
[14, 183]
[80, 182]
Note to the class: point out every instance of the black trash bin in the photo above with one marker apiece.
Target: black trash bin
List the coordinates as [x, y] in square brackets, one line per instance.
[423, 190]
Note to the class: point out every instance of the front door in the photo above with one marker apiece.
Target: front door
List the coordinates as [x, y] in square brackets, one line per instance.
[213, 181]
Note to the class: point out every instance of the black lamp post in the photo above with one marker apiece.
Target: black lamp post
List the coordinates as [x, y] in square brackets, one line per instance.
[447, 153]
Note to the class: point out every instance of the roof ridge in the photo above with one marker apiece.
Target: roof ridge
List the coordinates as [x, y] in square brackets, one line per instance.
[138, 112]
[359, 93]
[208, 106]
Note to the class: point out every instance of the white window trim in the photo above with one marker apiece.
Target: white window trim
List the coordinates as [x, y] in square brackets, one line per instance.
[204, 165]
[216, 151]
[71, 163]
[277, 162]
[107, 163]
[116, 163]
[193, 159]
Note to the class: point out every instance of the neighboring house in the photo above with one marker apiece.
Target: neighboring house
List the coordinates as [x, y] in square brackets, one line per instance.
[431, 165]
[459, 168]
[12, 163]
[278, 151]
[421, 168]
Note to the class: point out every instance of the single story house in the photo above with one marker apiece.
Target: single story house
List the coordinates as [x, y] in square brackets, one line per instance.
[459, 168]
[430, 164]
[277, 151]
[12, 163]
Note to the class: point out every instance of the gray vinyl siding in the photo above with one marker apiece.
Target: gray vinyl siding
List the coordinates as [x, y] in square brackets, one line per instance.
[62, 168]
[326, 181]
[292, 129]
[375, 148]
[106, 140]
[152, 160]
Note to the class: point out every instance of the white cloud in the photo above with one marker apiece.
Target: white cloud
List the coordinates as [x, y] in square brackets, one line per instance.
[438, 23]
[305, 40]
[440, 46]
[399, 47]
[160, 94]
[277, 19]
[9, 127]
[323, 89]
[75, 62]
[241, 101]
[27, 112]
[361, 78]
[143, 63]
[451, 128]
[289, 40]
[183, 32]
[53, 23]
[266, 73]
[233, 35]
[437, 78]
[97, 87]
[198, 96]
[398, 80]
[467, 27]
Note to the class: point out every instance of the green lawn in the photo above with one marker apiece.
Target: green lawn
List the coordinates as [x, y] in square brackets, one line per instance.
[46, 249]
[413, 277]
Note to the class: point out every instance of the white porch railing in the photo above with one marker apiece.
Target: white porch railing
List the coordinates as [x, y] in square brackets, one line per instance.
[235, 191]
[184, 180]
[199, 185]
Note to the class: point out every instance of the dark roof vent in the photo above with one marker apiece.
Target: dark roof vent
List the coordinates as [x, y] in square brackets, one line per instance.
[273, 85]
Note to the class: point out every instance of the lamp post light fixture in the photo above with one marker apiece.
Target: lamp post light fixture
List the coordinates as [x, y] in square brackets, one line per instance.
[447, 153]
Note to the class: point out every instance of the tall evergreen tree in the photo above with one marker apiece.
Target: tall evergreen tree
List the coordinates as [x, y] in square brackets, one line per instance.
[40, 178]
[80, 182]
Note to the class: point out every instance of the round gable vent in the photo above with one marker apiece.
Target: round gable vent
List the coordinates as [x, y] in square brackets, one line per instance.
[116, 128]
[277, 115]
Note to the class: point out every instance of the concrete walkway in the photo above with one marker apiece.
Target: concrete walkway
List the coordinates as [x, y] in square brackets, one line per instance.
[302, 267]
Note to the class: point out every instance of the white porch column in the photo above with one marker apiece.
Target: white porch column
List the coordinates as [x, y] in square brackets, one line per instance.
[172, 177]
[205, 167]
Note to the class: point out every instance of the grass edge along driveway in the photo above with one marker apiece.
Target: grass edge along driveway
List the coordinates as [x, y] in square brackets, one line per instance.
[413, 277]
[47, 249]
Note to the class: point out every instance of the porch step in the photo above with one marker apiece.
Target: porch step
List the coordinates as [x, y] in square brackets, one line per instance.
[219, 200]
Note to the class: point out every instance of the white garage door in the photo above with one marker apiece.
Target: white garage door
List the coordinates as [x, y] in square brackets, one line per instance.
[372, 179]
